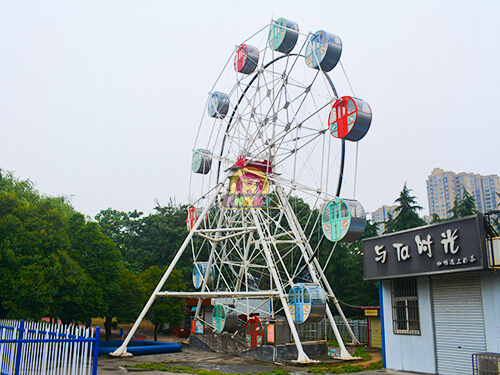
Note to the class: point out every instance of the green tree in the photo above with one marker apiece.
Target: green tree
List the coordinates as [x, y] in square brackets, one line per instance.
[161, 236]
[371, 229]
[33, 289]
[30, 237]
[145, 241]
[62, 204]
[124, 229]
[54, 263]
[435, 218]
[23, 190]
[98, 256]
[76, 294]
[345, 274]
[407, 217]
[127, 303]
[389, 224]
[164, 310]
[495, 219]
[464, 207]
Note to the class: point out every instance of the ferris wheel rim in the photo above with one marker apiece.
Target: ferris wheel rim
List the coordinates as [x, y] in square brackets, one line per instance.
[243, 94]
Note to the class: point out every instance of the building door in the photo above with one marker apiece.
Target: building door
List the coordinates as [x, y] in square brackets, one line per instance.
[375, 332]
[458, 321]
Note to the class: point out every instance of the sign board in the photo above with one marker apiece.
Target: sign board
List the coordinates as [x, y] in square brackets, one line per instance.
[270, 333]
[450, 246]
[196, 327]
[248, 188]
[371, 312]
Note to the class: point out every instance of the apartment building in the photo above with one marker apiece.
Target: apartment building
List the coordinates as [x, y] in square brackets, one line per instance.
[381, 215]
[444, 187]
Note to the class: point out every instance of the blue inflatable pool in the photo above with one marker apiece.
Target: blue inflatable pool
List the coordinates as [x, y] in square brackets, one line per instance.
[140, 347]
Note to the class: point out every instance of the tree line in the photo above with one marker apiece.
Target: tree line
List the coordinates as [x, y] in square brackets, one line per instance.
[57, 263]
[407, 212]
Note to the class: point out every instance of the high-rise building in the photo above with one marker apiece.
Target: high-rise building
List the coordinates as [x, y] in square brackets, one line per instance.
[382, 215]
[444, 187]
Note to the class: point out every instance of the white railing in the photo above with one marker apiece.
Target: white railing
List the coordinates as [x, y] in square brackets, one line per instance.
[47, 349]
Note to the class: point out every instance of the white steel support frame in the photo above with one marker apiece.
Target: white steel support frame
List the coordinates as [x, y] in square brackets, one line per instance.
[319, 270]
[307, 252]
[266, 244]
[355, 341]
[274, 127]
[122, 350]
[210, 262]
[301, 355]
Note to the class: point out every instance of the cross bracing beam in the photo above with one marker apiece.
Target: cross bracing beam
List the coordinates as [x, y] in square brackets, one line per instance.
[243, 229]
[220, 239]
[221, 294]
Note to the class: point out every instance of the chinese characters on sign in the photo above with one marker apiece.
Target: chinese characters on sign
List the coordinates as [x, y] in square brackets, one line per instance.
[448, 241]
[424, 246]
[456, 261]
[379, 249]
[444, 247]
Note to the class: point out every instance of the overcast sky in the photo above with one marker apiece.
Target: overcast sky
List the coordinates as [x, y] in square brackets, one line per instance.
[101, 100]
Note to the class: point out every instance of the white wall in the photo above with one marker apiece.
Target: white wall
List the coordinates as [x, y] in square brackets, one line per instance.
[490, 288]
[410, 352]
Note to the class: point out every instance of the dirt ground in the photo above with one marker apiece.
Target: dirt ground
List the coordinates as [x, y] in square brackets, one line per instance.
[200, 359]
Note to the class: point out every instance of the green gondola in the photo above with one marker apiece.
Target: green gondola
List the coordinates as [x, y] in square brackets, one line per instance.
[343, 220]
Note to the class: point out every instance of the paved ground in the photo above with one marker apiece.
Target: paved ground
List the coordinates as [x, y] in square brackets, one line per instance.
[195, 358]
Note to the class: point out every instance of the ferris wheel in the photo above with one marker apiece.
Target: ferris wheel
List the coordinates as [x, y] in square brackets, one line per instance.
[269, 163]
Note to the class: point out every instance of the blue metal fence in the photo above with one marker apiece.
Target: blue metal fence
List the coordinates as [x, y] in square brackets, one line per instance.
[52, 349]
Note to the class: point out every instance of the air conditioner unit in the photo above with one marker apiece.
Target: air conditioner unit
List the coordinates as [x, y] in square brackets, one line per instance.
[493, 252]
[486, 363]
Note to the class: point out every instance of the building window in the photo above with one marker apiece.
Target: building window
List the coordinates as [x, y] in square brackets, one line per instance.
[405, 316]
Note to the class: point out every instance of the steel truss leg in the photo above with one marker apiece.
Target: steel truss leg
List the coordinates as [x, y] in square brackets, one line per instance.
[355, 341]
[122, 350]
[307, 251]
[209, 265]
[302, 356]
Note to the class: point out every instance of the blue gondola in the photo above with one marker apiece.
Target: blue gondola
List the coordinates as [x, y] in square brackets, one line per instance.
[307, 303]
[323, 51]
[218, 104]
[200, 271]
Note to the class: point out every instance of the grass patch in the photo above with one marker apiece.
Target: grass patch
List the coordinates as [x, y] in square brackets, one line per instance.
[361, 352]
[332, 342]
[320, 368]
[375, 366]
[345, 368]
[167, 366]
